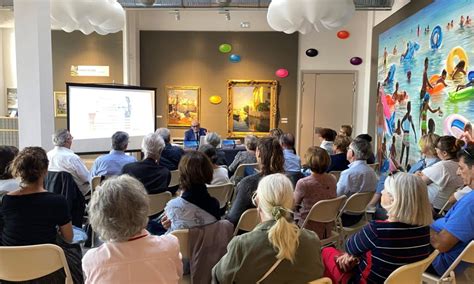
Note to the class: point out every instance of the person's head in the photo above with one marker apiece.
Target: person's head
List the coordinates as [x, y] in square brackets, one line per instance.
[30, 165]
[426, 98]
[431, 126]
[250, 142]
[118, 209]
[444, 74]
[428, 144]
[405, 197]
[341, 143]
[359, 149]
[287, 141]
[213, 138]
[328, 134]
[270, 156]
[275, 133]
[345, 130]
[209, 151]
[366, 137]
[447, 147]
[7, 154]
[195, 125]
[396, 85]
[120, 141]
[165, 134]
[468, 127]
[62, 138]
[408, 107]
[408, 75]
[466, 162]
[195, 168]
[274, 201]
[152, 146]
[461, 64]
[427, 62]
[317, 159]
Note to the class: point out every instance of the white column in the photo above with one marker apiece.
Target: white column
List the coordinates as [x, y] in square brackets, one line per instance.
[131, 50]
[34, 72]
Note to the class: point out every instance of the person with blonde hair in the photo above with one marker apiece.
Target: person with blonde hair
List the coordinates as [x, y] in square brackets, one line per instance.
[383, 246]
[276, 250]
[428, 150]
[119, 214]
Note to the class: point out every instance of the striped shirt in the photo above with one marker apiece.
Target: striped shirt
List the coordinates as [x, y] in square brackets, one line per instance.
[384, 246]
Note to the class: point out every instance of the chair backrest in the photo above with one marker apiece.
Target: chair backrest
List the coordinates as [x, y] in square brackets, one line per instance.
[467, 255]
[222, 192]
[411, 273]
[324, 280]
[239, 172]
[248, 221]
[337, 174]
[183, 238]
[22, 263]
[357, 203]
[374, 166]
[95, 182]
[158, 202]
[174, 178]
[325, 211]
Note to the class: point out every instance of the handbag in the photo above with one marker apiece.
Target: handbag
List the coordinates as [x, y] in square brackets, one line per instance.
[269, 271]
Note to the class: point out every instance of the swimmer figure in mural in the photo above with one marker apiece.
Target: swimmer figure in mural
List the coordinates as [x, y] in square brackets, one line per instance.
[426, 83]
[425, 107]
[405, 125]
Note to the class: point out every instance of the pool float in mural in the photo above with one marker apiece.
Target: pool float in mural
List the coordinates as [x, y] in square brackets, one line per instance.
[461, 95]
[410, 52]
[436, 87]
[454, 125]
[436, 37]
[391, 74]
[461, 54]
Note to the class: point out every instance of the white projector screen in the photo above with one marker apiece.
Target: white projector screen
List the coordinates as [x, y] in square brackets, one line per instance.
[95, 112]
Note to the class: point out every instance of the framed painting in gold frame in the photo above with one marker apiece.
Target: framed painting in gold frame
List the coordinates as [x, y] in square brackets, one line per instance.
[183, 105]
[252, 107]
[60, 104]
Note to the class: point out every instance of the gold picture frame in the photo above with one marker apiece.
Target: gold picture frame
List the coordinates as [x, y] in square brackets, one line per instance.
[60, 104]
[183, 104]
[252, 107]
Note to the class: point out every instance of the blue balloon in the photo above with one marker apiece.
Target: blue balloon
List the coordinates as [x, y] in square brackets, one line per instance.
[470, 76]
[234, 58]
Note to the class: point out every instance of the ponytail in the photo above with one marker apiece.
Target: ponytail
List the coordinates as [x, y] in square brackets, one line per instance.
[284, 236]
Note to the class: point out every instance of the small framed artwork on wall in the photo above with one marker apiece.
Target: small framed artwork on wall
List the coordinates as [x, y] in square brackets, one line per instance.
[183, 105]
[60, 104]
[252, 107]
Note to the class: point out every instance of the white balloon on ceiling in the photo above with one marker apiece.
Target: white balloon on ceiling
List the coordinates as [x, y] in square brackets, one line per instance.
[100, 16]
[289, 16]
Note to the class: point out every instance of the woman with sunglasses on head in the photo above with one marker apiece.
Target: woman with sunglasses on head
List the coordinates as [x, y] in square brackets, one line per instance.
[441, 177]
[276, 250]
[383, 246]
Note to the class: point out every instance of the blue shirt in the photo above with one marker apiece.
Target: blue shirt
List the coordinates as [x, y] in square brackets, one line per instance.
[359, 177]
[292, 161]
[422, 164]
[459, 222]
[110, 164]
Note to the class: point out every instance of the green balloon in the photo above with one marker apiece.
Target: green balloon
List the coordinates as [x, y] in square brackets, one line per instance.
[225, 48]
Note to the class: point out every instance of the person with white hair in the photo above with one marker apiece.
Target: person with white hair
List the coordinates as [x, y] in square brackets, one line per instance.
[63, 159]
[118, 212]
[214, 139]
[154, 177]
[276, 251]
[195, 132]
[171, 155]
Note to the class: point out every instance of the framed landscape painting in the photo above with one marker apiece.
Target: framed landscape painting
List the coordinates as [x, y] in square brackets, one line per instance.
[252, 107]
[183, 105]
[60, 104]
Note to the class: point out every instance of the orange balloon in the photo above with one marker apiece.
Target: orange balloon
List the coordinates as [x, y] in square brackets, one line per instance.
[343, 34]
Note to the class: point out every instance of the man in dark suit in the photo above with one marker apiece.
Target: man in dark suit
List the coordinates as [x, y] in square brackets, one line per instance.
[195, 132]
[171, 155]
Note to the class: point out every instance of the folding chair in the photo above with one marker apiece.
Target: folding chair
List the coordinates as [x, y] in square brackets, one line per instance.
[411, 273]
[183, 238]
[248, 221]
[158, 202]
[324, 280]
[174, 178]
[337, 174]
[240, 171]
[356, 204]
[223, 193]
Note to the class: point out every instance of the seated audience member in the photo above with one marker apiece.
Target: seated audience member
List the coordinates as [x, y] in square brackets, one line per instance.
[7, 182]
[63, 159]
[316, 187]
[195, 132]
[212, 138]
[275, 133]
[118, 212]
[428, 151]
[270, 159]
[220, 175]
[195, 207]
[441, 177]
[359, 177]
[171, 155]
[292, 161]
[452, 233]
[383, 246]
[368, 138]
[327, 135]
[245, 157]
[346, 130]
[112, 163]
[154, 177]
[274, 242]
[339, 160]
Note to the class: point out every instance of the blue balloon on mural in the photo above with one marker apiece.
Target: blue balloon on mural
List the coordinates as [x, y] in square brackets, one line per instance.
[470, 76]
[234, 58]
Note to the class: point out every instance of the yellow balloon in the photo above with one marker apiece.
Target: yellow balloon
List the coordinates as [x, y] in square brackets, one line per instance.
[215, 100]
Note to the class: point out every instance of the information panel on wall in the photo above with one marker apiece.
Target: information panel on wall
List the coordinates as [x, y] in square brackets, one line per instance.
[95, 112]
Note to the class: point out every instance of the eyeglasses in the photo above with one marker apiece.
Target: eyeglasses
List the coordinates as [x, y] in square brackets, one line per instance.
[194, 126]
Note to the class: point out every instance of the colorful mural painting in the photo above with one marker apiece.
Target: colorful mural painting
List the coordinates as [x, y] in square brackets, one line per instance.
[425, 76]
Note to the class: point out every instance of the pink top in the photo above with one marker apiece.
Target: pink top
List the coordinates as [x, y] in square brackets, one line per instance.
[145, 259]
[309, 191]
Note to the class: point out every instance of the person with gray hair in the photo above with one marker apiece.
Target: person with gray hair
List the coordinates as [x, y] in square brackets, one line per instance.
[245, 157]
[171, 155]
[63, 159]
[118, 212]
[112, 163]
[214, 139]
[153, 176]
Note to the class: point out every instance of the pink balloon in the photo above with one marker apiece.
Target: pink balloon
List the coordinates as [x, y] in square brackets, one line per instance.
[281, 73]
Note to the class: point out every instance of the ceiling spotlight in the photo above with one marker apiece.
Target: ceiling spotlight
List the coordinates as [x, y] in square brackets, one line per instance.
[226, 13]
[177, 15]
